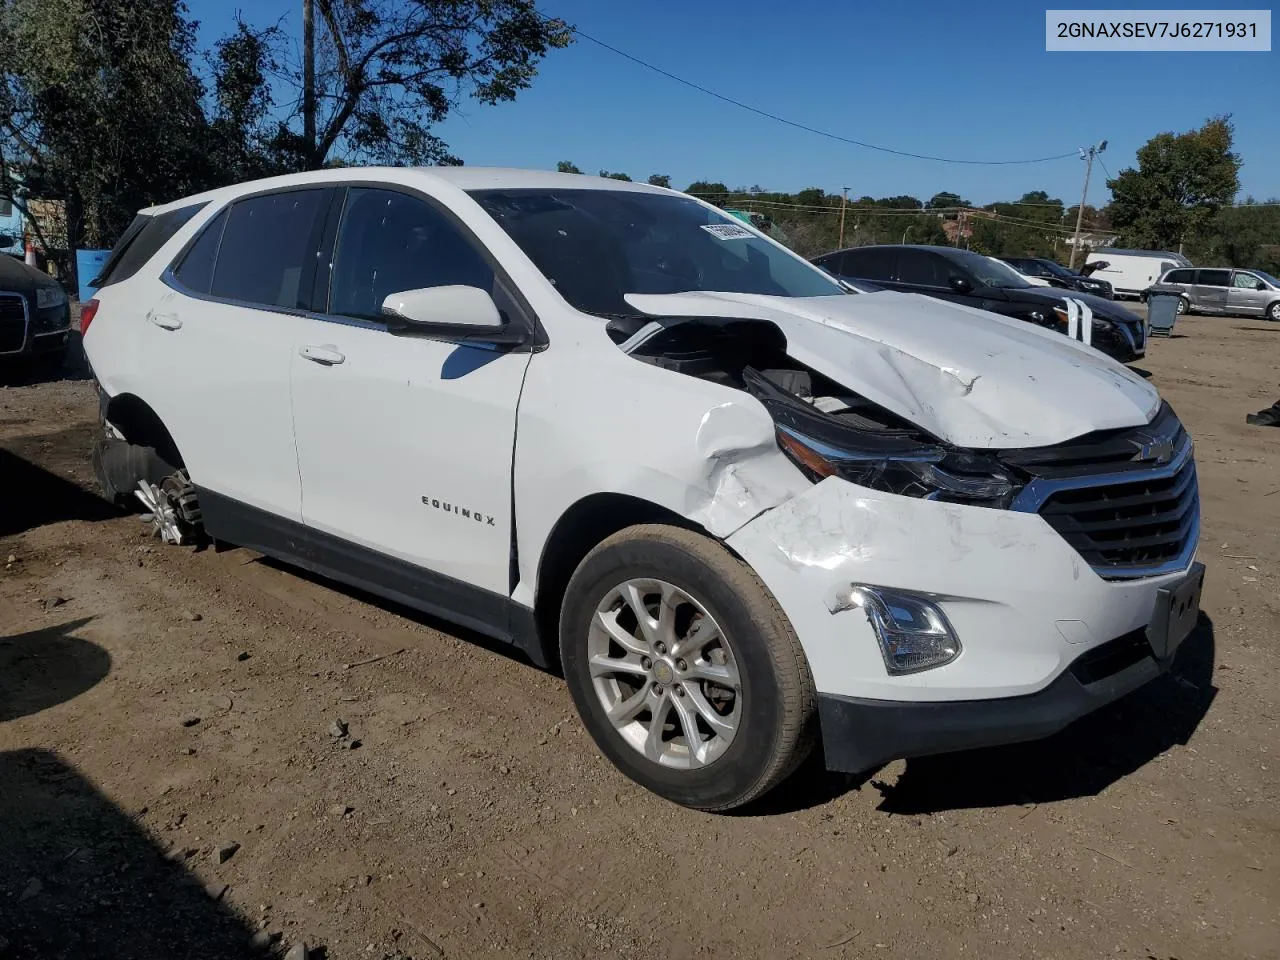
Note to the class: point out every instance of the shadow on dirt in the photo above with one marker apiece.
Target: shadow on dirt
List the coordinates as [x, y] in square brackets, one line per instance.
[37, 497]
[79, 878]
[43, 668]
[1080, 761]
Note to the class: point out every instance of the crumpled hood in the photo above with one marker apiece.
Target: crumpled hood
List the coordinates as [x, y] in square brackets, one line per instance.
[969, 377]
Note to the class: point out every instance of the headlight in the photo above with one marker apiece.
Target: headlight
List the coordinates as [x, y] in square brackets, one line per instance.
[893, 460]
[930, 473]
[47, 297]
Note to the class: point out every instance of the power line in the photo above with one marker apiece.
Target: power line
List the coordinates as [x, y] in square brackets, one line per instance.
[802, 126]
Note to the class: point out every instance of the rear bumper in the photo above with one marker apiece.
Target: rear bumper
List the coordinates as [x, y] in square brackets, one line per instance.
[861, 734]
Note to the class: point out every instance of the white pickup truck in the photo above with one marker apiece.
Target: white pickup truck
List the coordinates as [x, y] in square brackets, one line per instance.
[745, 509]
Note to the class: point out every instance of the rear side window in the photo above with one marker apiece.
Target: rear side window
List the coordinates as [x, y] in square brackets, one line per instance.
[921, 268]
[141, 242]
[195, 271]
[1213, 278]
[873, 263]
[1180, 276]
[267, 245]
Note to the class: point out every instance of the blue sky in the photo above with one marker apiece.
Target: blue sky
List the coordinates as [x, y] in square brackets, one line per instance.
[968, 80]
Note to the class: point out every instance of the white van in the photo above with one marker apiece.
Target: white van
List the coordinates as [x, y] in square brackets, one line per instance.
[1130, 272]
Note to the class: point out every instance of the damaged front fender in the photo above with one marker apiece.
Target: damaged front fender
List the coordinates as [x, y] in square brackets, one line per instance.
[744, 472]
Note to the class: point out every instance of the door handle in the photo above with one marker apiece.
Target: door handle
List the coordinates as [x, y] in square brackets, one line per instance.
[327, 355]
[165, 321]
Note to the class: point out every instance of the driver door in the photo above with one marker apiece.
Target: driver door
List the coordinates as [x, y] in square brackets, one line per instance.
[405, 443]
[1247, 295]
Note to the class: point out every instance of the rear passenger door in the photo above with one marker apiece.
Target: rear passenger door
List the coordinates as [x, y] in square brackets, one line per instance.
[219, 344]
[1210, 291]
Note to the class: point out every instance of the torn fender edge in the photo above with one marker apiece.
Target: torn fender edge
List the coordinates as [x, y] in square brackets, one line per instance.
[745, 472]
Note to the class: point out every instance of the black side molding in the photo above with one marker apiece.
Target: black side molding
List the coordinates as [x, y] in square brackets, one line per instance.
[483, 611]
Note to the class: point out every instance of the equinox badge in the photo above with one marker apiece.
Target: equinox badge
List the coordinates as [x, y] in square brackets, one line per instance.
[458, 511]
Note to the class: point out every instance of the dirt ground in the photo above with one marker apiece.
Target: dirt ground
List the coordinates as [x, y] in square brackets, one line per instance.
[159, 706]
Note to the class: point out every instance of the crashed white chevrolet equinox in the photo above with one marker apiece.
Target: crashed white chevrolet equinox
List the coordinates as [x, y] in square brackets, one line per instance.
[744, 507]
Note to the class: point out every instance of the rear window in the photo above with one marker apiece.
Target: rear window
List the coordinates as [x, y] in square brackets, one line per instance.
[144, 238]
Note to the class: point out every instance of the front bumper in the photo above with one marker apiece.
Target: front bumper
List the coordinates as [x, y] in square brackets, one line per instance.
[1030, 614]
[860, 734]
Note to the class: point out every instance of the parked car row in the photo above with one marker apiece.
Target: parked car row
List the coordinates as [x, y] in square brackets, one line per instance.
[971, 279]
[1130, 272]
[746, 508]
[1056, 275]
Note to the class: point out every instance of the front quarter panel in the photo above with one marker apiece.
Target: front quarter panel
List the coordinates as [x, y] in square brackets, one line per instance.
[593, 420]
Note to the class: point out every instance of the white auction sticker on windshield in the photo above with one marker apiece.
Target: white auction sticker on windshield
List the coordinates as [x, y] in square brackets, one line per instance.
[728, 231]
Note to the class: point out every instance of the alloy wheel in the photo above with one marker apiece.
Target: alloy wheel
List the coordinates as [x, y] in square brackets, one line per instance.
[665, 674]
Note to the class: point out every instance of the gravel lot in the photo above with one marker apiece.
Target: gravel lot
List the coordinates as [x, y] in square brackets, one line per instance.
[160, 706]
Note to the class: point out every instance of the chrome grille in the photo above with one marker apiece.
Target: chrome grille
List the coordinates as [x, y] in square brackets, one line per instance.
[1126, 500]
[13, 322]
[1127, 528]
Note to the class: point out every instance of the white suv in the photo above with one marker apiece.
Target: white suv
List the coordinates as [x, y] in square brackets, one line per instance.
[744, 507]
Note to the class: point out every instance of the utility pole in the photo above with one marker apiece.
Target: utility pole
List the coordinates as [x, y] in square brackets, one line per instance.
[844, 202]
[309, 80]
[1088, 157]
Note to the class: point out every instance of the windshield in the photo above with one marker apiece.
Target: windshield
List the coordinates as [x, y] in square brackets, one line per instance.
[1268, 277]
[597, 246]
[994, 273]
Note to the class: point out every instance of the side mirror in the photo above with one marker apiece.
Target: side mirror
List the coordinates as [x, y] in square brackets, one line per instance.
[449, 313]
[960, 285]
[1259, 285]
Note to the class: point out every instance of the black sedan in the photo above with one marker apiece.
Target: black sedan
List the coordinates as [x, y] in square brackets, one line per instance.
[962, 276]
[35, 317]
[1059, 276]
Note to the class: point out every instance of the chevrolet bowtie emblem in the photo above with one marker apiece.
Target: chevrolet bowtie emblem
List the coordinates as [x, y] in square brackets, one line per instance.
[1158, 451]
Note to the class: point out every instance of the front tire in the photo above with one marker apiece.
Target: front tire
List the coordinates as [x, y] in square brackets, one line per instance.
[1273, 312]
[685, 671]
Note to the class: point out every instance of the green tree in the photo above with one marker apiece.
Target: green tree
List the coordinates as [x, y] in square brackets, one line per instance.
[615, 176]
[660, 180]
[564, 166]
[1180, 183]
[1244, 236]
[713, 191]
[100, 107]
[945, 199]
[242, 133]
[387, 71]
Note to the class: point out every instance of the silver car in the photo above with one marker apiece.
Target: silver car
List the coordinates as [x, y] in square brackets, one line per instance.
[1223, 290]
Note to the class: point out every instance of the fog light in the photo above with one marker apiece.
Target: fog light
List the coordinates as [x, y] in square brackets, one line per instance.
[914, 633]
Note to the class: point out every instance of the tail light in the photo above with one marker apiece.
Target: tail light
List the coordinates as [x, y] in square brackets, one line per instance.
[88, 310]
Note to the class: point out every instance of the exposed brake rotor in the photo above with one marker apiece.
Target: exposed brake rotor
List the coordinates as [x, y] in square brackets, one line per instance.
[173, 512]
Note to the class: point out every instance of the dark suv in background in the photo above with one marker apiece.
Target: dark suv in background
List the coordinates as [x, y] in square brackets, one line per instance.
[1060, 276]
[969, 278]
